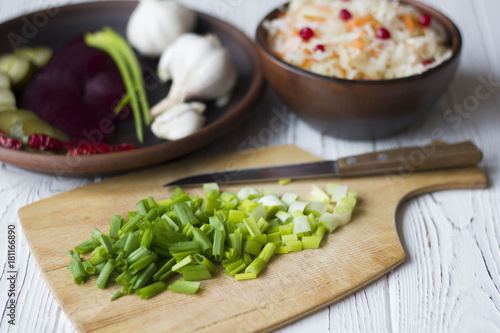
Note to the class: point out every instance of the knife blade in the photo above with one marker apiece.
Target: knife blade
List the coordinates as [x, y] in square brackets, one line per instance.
[401, 161]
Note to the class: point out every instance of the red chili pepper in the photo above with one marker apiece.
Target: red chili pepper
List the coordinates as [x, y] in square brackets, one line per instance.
[44, 142]
[99, 148]
[10, 143]
[3, 133]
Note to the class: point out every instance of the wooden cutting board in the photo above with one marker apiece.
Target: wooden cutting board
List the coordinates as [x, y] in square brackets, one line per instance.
[291, 287]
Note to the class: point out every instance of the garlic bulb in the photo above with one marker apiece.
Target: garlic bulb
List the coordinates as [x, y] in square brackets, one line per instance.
[200, 67]
[155, 24]
[179, 121]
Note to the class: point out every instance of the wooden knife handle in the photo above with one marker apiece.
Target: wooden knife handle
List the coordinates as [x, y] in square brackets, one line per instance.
[408, 160]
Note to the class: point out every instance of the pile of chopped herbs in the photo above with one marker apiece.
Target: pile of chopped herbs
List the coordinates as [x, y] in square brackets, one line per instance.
[188, 235]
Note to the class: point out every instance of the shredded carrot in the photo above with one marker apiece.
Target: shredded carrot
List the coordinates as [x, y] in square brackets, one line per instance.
[306, 64]
[409, 23]
[358, 21]
[323, 8]
[314, 18]
[341, 70]
[306, 51]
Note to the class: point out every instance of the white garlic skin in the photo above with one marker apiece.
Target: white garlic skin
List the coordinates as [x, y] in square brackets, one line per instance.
[155, 24]
[200, 68]
[179, 121]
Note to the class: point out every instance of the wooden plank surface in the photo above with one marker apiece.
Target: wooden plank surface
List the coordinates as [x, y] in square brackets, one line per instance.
[293, 286]
[451, 280]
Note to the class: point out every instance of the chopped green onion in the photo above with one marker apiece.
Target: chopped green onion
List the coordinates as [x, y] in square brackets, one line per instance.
[252, 226]
[267, 252]
[202, 260]
[116, 295]
[317, 208]
[99, 255]
[211, 190]
[338, 192]
[164, 269]
[272, 204]
[245, 276]
[252, 247]
[281, 249]
[248, 193]
[349, 201]
[145, 276]
[152, 290]
[235, 241]
[352, 194]
[87, 246]
[284, 181]
[297, 206]
[196, 273]
[77, 269]
[235, 267]
[105, 274]
[181, 255]
[270, 190]
[183, 246]
[288, 238]
[189, 260]
[294, 246]
[258, 212]
[343, 212]
[311, 242]
[236, 216]
[256, 266]
[301, 225]
[143, 262]
[186, 287]
[185, 214]
[124, 278]
[284, 217]
[329, 221]
[218, 246]
[317, 194]
[289, 197]
[114, 226]
[88, 267]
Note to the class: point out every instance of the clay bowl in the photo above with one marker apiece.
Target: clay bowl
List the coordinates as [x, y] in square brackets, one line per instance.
[358, 109]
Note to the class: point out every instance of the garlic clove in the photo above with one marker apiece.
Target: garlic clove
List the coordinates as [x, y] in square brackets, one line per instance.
[179, 121]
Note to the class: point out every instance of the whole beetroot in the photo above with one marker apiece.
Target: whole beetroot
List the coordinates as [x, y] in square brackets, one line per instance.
[77, 91]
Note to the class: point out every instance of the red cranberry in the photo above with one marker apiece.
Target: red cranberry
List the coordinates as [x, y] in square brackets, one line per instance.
[345, 15]
[383, 33]
[427, 62]
[319, 47]
[424, 20]
[306, 33]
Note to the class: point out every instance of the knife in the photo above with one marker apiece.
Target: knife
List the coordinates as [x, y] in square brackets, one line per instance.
[400, 161]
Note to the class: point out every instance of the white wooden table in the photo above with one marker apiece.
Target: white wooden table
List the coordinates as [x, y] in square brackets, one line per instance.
[451, 280]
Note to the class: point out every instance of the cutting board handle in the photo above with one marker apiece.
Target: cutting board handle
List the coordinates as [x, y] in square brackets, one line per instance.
[407, 160]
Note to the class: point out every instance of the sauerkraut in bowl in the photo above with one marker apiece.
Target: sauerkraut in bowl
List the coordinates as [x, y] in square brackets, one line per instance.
[357, 39]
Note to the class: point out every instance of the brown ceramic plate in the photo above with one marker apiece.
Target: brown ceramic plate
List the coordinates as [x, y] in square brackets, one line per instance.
[54, 27]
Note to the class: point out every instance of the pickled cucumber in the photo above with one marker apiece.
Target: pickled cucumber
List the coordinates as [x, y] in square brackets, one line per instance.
[19, 70]
[4, 81]
[7, 100]
[9, 118]
[38, 126]
[38, 55]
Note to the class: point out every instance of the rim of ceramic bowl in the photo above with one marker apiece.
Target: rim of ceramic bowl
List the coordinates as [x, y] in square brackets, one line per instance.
[454, 37]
